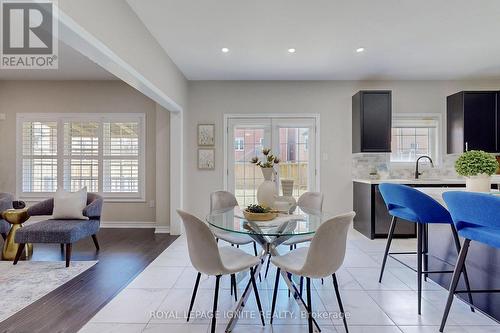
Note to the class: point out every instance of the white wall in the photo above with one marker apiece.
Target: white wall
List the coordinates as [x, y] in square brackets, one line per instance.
[208, 101]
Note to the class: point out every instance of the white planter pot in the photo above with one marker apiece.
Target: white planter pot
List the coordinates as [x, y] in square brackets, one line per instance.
[266, 192]
[479, 183]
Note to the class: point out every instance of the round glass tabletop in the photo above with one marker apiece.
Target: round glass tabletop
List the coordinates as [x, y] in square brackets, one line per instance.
[298, 223]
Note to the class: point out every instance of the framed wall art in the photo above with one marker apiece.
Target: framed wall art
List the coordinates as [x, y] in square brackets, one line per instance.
[206, 134]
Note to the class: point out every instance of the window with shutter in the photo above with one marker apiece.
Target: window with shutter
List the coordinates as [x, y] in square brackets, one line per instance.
[104, 152]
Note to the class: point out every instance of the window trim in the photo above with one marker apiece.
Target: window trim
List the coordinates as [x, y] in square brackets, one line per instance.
[437, 117]
[60, 118]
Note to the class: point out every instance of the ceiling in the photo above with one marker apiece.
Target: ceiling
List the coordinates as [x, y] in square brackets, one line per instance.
[426, 39]
[72, 66]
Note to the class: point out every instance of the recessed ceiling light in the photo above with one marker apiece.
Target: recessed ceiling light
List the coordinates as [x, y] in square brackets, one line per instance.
[360, 49]
[225, 50]
[291, 50]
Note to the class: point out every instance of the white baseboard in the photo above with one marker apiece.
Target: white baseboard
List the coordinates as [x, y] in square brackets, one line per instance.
[128, 224]
[162, 229]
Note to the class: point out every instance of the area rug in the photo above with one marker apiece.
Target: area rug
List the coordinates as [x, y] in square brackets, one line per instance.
[28, 281]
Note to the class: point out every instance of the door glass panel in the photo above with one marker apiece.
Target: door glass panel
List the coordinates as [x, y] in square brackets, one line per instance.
[294, 154]
[247, 177]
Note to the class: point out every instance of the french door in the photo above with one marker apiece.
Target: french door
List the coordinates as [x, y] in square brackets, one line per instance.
[292, 139]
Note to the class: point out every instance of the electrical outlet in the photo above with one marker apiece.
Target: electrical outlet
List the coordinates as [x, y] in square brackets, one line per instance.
[151, 204]
[3, 116]
[325, 156]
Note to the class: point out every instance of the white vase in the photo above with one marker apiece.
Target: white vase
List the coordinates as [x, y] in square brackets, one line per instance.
[479, 183]
[267, 190]
[287, 188]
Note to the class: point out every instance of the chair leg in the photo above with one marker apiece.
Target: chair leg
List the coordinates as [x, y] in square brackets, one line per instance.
[291, 247]
[454, 281]
[387, 246]
[257, 298]
[195, 290]
[96, 243]
[267, 266]
[425, 250]
[466, 277]
[62, 247]
[275, 293]
[290, 277]
[19, 252]
[216, 298]
[216, 240]
[339, 300]
[233, 286]
[309, 305]
[68, 254]
[322, 281]
[419, 265]
[301, 285]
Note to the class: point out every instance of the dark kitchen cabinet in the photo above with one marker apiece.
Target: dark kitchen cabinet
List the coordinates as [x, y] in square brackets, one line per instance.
[371, 121]
[472, 121]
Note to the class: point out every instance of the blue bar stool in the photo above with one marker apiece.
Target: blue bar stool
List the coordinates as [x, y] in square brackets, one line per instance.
[476, 217]
[404, 202]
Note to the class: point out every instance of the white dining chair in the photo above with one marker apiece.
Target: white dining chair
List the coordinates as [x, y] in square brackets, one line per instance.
[207, 258]
[312, 263]
[309, 202]
[222, 201]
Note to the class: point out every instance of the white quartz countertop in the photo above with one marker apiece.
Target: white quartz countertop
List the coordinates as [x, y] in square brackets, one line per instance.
[429, 181]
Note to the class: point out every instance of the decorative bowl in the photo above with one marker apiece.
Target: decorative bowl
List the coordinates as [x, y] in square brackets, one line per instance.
[259, 216]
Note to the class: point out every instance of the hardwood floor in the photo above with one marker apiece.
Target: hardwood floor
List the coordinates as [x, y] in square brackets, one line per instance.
[124, 254]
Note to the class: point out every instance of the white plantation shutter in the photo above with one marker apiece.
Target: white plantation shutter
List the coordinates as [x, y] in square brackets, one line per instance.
[39, 156]
[81, 152]
[104, 152]
[121, 157]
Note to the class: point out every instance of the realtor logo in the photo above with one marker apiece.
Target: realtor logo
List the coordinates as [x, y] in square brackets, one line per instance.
[29, 35]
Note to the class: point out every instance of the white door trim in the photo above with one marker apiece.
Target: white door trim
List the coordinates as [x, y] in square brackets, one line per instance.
[317, 141]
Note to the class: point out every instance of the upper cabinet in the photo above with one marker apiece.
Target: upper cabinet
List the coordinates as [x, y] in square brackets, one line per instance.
[371, 121]
[473, 121]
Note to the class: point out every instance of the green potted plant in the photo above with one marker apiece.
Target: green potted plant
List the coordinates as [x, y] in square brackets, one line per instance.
[477, 167]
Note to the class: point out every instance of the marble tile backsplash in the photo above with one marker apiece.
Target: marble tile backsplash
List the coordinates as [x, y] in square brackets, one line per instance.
[364, 164]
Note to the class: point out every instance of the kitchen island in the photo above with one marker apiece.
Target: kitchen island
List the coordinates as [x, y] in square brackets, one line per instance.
[483, 263]
[372, 218]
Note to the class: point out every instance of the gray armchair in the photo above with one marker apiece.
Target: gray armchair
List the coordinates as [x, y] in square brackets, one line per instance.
[64, 232]
[7, 202]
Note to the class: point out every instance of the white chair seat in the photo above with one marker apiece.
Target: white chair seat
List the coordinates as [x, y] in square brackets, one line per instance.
[231, 237]
[293, 261]
[298, 239]
[235, 260]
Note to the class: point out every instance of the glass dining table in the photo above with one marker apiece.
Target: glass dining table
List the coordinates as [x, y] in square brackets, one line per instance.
[269, 234]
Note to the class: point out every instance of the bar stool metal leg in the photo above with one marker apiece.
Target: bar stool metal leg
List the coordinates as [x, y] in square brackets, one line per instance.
[420, 235]
[454, 281]
[387, 247]
[466, 277]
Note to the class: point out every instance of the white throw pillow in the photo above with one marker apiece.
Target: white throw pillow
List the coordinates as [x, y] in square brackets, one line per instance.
[70, 206]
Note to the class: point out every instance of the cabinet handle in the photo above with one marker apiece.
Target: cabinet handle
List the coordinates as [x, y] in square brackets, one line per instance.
[466, 146]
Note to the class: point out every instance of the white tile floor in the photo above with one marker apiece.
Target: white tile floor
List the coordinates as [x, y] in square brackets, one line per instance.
[166, 286]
